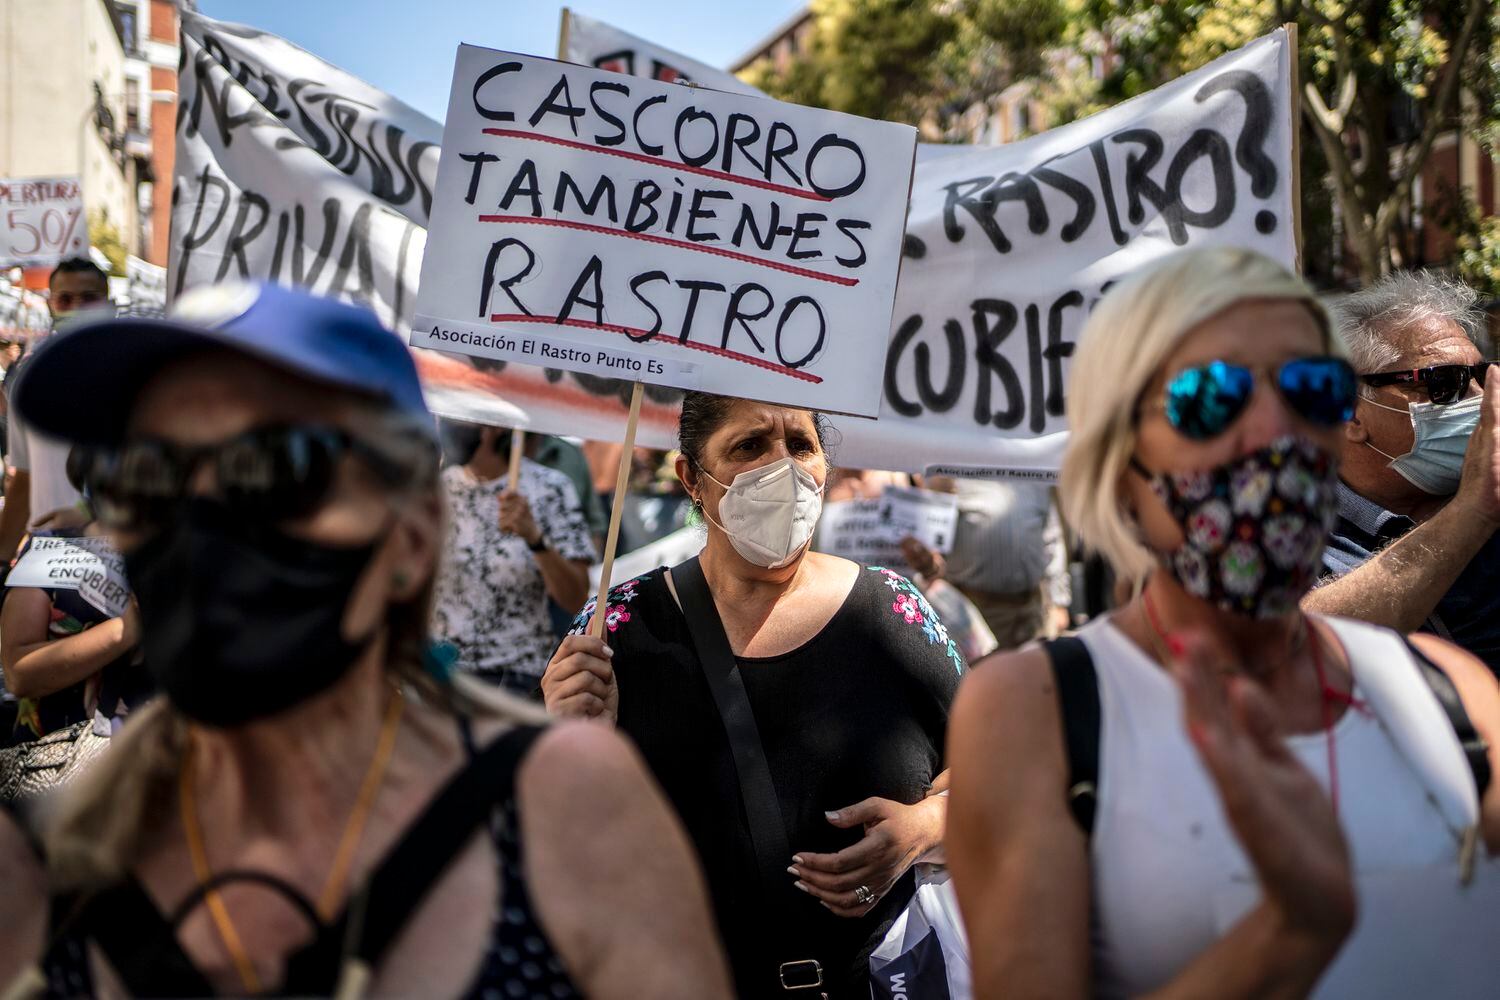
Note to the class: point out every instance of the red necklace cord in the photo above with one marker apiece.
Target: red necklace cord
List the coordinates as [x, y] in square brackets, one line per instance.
[1327, 694]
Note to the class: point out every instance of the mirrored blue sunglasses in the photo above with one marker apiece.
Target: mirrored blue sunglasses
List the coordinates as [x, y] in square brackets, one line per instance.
[1202, 402]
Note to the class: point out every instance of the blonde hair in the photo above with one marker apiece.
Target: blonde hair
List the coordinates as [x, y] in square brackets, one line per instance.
[94, 828]
[1127, 339]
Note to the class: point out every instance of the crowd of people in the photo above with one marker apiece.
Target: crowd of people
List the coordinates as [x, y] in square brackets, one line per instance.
[360, 727]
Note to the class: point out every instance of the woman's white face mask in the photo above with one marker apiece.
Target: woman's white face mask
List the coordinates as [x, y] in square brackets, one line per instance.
[769, 513]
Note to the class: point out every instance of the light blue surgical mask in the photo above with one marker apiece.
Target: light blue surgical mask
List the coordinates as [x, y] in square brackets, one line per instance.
[1440, 439]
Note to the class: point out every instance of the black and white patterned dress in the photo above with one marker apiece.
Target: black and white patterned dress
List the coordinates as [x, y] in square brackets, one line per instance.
[491, 602]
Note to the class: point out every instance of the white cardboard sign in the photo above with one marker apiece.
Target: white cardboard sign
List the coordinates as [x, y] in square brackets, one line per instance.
[678, 236]
[91, 566]
[41, 220]
[870, 530]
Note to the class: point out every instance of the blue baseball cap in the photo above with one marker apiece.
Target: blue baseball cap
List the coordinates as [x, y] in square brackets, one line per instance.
[81, 384]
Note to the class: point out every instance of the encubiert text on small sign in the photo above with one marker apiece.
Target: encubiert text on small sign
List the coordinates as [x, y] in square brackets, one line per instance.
[666, 234]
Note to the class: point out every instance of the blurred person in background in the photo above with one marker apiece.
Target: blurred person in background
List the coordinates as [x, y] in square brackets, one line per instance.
[318, 805]
[1419, 480]
[37, 484]
[65, 660]
[1192, 796]
[511, 547]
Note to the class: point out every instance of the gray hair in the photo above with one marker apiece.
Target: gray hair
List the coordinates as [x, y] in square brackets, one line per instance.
[1372, 319]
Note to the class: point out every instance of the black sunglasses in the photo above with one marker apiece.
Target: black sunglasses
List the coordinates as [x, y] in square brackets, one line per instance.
[1444, 383]
[1202, 402]
[268, 474]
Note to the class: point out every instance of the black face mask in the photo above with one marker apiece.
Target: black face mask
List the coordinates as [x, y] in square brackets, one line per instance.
[242, 622]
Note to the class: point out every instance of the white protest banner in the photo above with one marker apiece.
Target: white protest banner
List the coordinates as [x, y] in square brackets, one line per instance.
[667, 235]
[41, 220]
[292, 170]
[1009, 248]
[590, 42]
[91, 566]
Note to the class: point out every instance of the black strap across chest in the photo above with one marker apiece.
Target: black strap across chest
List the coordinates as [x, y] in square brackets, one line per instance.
[716, 657]
[141, 944]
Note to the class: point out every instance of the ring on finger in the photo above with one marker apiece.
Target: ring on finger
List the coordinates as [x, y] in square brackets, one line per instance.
[863, 895]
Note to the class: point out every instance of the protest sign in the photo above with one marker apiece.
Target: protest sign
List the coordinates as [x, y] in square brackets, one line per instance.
[291, 170]
[662, 234]
[145, 287]
[41, 221]
[91, 566]
[928, 516]
[964, 376]
[870, 529]
[590, 42]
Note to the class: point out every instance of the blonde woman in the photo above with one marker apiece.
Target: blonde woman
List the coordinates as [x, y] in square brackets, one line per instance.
[1189, 799]
[315, 806]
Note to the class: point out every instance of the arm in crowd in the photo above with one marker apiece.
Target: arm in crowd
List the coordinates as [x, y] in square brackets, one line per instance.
[581, 780]
[1020, 862]
[15, 513]
[566, 579]
[36, 665]
[1401, 585]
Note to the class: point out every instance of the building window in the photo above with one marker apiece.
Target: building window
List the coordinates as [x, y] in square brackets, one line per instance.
[132, 104]
[128, 17]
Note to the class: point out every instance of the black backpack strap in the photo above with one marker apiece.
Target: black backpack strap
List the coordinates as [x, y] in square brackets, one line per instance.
[1078, 703]
[140, 944]
[396, 889]
[757, 791]
[1476, 749]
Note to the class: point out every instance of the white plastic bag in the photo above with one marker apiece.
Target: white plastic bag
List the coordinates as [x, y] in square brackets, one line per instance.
[925, 954]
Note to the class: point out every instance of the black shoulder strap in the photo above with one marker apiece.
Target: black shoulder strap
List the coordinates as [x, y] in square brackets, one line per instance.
[1078, 702]
[1476, 750]
[757, 791]
[396, 889]
[140, 944]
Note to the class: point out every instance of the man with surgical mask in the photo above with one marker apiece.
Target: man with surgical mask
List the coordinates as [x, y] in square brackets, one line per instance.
[1415, 546]
[38, 485]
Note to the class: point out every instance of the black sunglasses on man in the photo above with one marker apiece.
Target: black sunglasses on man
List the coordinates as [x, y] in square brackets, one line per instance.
[1443, 383]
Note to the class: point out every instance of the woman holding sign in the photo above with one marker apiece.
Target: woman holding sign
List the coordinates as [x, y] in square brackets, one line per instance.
[1190, 797]
[792, 704]
[318, 805]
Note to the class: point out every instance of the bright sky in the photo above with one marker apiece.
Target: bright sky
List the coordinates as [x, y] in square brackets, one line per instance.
[406, 47]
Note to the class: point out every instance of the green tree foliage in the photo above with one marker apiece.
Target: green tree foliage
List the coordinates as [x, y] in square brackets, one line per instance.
[918, 61]
[105, 236]
[1382, 79]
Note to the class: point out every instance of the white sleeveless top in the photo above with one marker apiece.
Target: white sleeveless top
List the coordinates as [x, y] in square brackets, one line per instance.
[1169, 878]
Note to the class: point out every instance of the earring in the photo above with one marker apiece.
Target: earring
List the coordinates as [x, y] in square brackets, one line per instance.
[399, 579]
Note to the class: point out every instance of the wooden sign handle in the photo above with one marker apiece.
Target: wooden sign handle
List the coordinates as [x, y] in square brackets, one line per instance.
[622, 480]
[517, 449]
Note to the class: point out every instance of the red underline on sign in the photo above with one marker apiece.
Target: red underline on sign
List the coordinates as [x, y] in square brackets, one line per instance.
[683, 244]
[510, 133]
[627, 330]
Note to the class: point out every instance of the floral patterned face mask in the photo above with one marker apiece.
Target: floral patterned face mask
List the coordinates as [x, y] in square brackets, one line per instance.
[1254, 528]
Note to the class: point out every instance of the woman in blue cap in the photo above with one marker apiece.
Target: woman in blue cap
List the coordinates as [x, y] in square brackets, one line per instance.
[319, 804]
